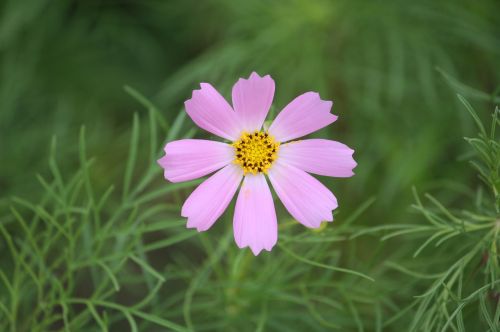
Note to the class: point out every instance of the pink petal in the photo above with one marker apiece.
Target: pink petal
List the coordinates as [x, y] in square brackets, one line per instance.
[211, 198]
[252, 99]
[210, 111]
[307, 200]
[190, 159]
[319, 156]
[255, 224]
[304, 115]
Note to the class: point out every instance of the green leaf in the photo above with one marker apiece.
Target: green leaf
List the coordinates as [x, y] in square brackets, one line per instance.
[474, 115]
[147, 267]
[132, 157]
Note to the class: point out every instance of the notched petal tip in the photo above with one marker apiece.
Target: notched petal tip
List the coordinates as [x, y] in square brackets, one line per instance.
[352, 164]
[194, 223]
[327, 218]
[256, 249]
[205, 85]
[199, 229]
[170, 178]
[333, 118]
[161, 161]
[328, 104]
[254, 74]
[189, 104]
[196, 92]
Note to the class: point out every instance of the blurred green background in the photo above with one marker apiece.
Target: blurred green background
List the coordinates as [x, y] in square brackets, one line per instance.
[73, 260]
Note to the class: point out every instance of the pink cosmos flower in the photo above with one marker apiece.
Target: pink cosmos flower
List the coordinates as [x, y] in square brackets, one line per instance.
[252, 153]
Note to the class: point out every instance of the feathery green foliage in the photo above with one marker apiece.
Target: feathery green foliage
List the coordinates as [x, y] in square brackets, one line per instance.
[467, 273]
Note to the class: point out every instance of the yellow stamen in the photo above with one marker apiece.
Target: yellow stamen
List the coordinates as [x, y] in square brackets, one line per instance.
[255, 152]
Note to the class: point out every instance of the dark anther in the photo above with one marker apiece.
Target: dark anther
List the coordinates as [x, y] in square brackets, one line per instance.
[259, 169]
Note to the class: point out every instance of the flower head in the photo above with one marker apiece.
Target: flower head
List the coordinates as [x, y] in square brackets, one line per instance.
[251, 155]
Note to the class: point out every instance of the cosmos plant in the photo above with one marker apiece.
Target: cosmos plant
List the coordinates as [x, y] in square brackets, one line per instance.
[254, 153]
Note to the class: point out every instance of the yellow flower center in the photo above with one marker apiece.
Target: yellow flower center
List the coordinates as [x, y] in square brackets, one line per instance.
[255, 152]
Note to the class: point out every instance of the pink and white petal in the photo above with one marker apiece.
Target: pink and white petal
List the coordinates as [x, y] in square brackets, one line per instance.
[210, 199]
[210, 111]
[252, 99]
[305, 198]
[304, 115]
[189, 159]
[319, 156]
[255, 223]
